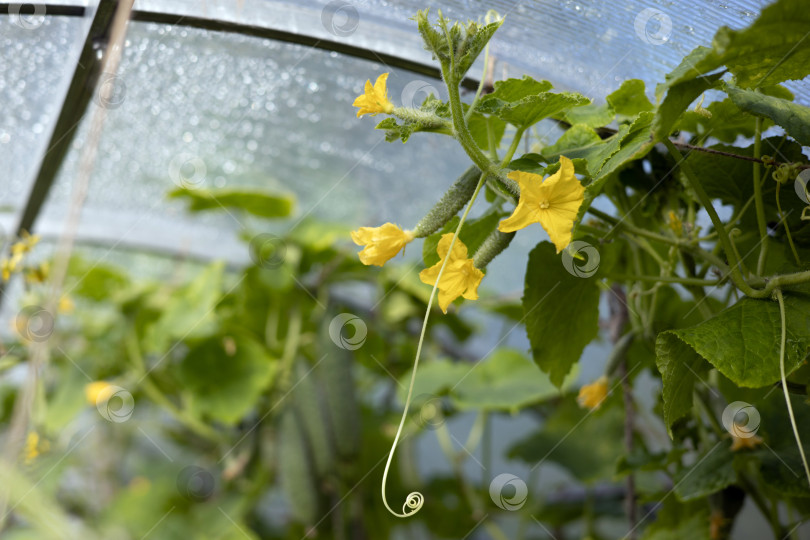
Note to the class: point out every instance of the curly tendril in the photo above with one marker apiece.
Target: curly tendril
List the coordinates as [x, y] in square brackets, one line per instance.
[415, 500]
[781, 300]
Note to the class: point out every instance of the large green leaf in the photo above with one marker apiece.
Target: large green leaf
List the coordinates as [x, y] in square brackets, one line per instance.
[632, 141]
[634, 145]
[512, 90]
[96, 280]
[587, 443]
[224, 376]
[711, 472]
[561, 312]
[678, 98]
[592, 115]
[523, 102]
[681, 368]
[258, 203]
[507, 380]
[189, 311]
[742, 342]
[773, 49]
[583, 142]
[793, 117]
[698, 62]
[676, 521]
[630, 99]
[726, 123]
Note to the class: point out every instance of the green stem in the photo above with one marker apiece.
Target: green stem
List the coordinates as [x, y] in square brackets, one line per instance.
[663, 279]
[635, 230]
[773, 520]
[787, 228]
[513, 147]
[781, 301]
[703, 400]
[760, 205]
[480, 84]
[462, 132]
[734, 264]
[154, 393]
[415, 500]
[290, 348]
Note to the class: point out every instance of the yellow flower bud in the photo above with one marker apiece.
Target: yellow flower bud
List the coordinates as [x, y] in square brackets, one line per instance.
[592, 395]
[381, 243]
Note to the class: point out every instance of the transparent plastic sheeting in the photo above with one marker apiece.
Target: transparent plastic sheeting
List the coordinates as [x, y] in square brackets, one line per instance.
[589, 46]
[215, 110]
[35, 75]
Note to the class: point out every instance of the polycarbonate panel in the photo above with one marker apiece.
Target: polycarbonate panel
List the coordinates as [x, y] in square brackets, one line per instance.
[589, 46]
[37, 59]
[218, 110]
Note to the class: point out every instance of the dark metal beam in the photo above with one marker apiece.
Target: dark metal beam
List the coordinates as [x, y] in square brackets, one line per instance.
[74, 106]
[216, 25]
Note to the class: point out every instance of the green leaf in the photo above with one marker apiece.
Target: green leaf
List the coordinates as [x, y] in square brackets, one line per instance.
[189, 311]
[634, 145]
[632, 141]
[512, 90]
[711, 472]
[258, 203]
[561, 312]
[630, 99]
[434, 378]
[584, 442]
[681, 368]
[576, 137]
[224, 382]
[726, 123]
[594, 151]
[395, 130]
[678, 98]
[675, 521]
[517, 104]
[773, 49]
[95, 281]
[432, 106]
[479, 126]
[507, 380]
[698, 62]
[591, 115]
[742, 342]
[793, 117]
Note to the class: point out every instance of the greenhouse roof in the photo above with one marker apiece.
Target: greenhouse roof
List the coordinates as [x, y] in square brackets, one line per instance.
[258, 94]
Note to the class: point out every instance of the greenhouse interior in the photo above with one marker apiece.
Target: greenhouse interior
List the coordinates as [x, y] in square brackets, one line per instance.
[389, 269]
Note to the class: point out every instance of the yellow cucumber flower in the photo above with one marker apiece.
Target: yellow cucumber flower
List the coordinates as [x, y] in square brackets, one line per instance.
[97, 390]
[375, 98]
[33, 447]
[9, 266]
[460, 276]
[745, 443]
[382, 243]
[592, 395]
[26, 243]
[66, 305]
[553, 203]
